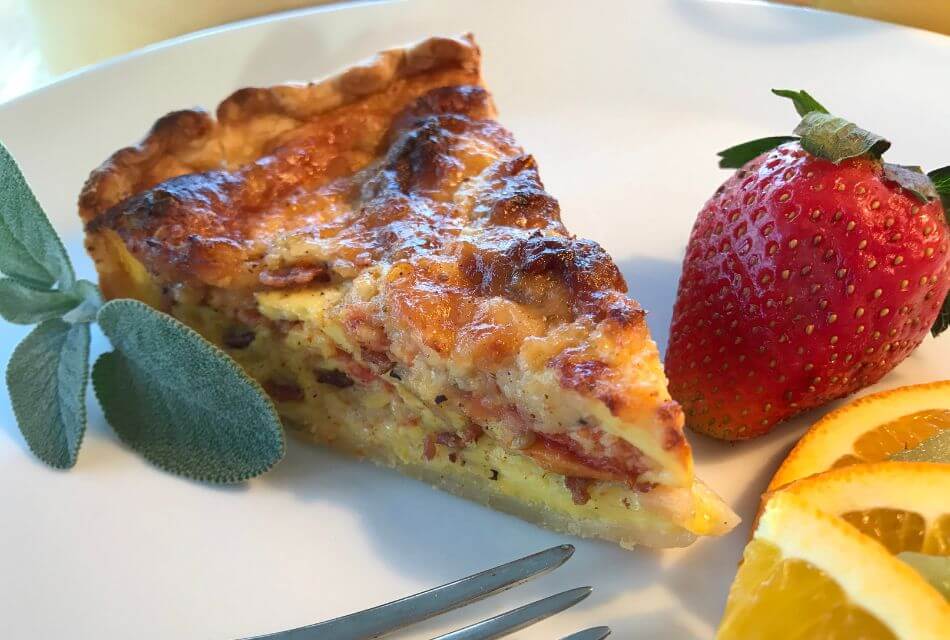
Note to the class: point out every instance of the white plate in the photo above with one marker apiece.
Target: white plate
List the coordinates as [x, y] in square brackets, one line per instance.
[625, 105]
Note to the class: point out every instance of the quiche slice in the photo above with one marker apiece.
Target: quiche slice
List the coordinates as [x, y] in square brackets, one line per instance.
[381, 255]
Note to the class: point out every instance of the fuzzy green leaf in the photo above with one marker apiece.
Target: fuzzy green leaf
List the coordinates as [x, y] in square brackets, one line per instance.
[913, 179]
[180, 401]
[22, 304]
[836, 139]
[30, 250]
[735, 157]
[934, 569]
[90, 301]
[934, 449]
[804, 103]
[941, 179]
[47, 378]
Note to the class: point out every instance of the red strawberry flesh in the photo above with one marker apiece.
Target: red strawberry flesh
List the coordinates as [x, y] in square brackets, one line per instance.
[803, 281]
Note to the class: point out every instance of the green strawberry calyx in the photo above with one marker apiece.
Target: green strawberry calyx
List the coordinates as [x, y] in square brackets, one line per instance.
[836, 139]
[820, 133]
[941, 181]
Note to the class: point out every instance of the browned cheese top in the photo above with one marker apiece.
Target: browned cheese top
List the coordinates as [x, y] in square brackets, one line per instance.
[405, 168]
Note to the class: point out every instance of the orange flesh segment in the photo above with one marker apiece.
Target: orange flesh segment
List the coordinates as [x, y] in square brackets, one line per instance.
[891, 437]
[937, 542]
[792, 599]
[896, 529]
[903, 530]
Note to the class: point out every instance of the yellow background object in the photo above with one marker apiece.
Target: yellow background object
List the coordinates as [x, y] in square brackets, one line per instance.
[74, 33]
[43, 39]
[924, 14]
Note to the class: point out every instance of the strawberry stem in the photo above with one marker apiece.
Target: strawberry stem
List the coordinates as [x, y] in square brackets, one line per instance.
[804, 103]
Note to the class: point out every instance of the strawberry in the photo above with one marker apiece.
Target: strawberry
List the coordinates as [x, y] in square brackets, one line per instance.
[812, 272]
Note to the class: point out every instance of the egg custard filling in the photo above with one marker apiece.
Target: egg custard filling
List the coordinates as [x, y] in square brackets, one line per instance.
[380, 254]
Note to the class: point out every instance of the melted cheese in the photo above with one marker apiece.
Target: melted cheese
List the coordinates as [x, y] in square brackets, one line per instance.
[388, 423]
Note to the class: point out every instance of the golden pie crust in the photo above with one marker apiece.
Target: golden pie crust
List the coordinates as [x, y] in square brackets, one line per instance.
[392, 185]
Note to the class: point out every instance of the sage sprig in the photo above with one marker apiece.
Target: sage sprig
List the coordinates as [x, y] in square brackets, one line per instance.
[32, 254]
[47, 377]
[171, 395]
[186, 405]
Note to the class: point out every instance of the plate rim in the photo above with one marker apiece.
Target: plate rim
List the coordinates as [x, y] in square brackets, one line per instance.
[344, 5]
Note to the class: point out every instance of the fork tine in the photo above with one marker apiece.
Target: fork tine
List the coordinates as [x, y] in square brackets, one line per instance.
[519, 618]
[384, 619]
[595, 633]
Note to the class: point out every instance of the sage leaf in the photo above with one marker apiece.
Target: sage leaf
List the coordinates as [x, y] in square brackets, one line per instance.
[936, 448]
[90, 300]
[735, 157]
[30, 250]
[47, 377]
[180, 401]
[836, 139]
[934, 569]
[802, 100]
[913, 179]
[22, 304]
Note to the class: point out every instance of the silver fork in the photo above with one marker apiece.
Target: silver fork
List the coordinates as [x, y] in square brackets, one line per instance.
[385, 619]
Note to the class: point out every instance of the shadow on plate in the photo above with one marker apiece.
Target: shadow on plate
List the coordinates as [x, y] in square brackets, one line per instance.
[429, 534]
[719, 557]
[652, 282]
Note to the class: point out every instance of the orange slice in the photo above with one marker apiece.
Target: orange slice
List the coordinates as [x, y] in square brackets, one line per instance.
[903, 505]
[869, 430]
[809, 574]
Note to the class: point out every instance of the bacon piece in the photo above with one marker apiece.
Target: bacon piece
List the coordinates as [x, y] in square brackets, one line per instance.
[562, 454]
[428, 447]
[561, 460]
[459, 440]
[334, 377]
[283, 392]
[294, 276]
[579, 488]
